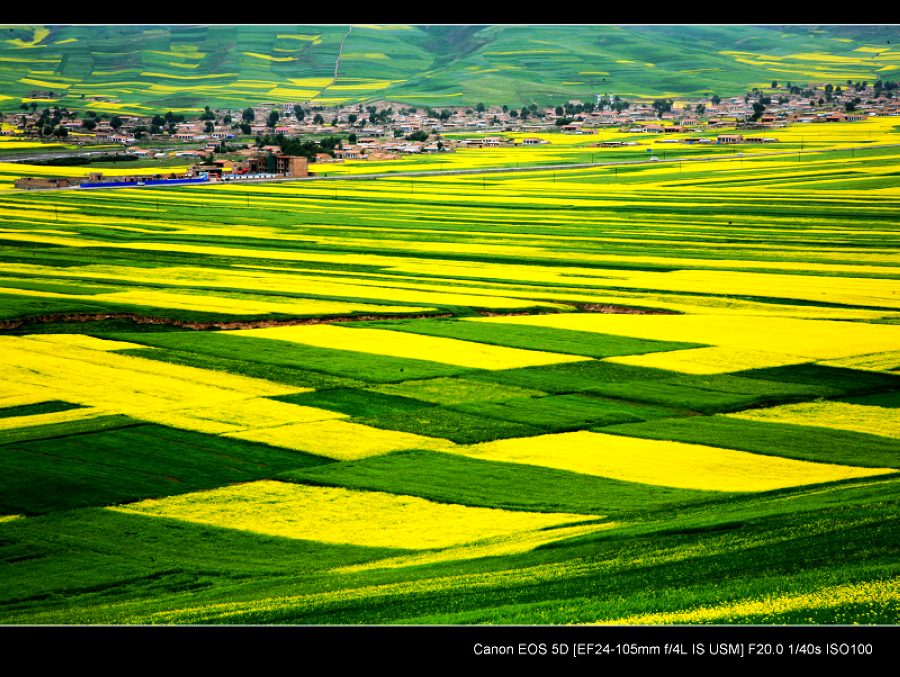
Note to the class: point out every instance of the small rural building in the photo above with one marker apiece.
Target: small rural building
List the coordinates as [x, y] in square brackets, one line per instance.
[533, 141]
[213, 171]
[729, 138]
[36, 182]
[348, 153]
[286, 165]
[381, 155]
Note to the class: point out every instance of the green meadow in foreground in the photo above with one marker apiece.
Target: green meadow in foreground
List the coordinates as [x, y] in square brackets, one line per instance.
[666, 396]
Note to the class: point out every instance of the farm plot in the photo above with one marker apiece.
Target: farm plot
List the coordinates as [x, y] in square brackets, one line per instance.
[331, 402]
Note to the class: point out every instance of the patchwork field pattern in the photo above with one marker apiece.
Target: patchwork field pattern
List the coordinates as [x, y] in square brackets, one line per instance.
[521, 398]
[132, 69]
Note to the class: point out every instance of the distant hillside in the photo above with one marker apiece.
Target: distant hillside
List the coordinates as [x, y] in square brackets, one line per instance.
[186, 67]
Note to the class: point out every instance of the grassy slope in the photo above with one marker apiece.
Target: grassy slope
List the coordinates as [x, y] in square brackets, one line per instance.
[189, 66]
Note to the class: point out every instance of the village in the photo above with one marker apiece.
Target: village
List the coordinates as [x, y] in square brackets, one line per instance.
[252, 143]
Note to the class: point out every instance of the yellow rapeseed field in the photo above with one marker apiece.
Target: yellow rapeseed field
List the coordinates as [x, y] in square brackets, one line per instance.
[507, 544]
[664, 463]
[839, 415]
[148, 390]
[341, 440]
[886, 361]
[337, 515]
[212, 303]
[34, 420]
[811, 339]
[412, 346]
[869, 593]
[254, 414]
[82, 341]
[709, 360]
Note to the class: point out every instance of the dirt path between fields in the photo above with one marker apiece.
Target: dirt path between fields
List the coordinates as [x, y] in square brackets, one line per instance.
[60, 318]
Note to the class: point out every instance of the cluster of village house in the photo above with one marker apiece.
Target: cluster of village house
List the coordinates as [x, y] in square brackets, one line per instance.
[388, 140]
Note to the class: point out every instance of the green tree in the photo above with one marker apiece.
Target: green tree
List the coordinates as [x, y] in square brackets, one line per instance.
[299, 113]
[418, 136]
[662, 106]
[352, 118]
[115, 122]
[247, 115]
[226, 120]
[207, 114]
[351, 138]
[245, 128]
[272, 119]
[758, 109]
[89, 124]
[774, 84]
[318, 119]
[480, 107]
[209, 127]
[716, 99]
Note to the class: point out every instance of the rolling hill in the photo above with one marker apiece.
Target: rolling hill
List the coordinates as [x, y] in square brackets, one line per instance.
[149, 68]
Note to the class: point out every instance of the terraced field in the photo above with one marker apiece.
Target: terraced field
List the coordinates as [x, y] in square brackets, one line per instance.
[133, 69]
[645, 394]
